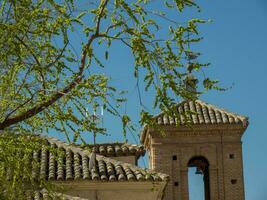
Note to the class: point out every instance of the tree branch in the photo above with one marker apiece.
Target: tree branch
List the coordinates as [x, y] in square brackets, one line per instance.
[117, 38]
[36, 60]
[19, 106]
[39, 108]
[59, 56]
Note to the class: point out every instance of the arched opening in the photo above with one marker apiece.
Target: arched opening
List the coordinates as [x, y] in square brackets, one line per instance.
[200, 165]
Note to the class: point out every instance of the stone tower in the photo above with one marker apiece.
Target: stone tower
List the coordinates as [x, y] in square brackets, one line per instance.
[211, 142]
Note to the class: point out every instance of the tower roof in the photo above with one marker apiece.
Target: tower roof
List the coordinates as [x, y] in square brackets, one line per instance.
[197, 112]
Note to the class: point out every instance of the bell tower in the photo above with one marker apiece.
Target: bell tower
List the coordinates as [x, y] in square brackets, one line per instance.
[205, 137]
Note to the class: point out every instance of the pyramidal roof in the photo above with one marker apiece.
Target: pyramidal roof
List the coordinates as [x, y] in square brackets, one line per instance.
[199, 112]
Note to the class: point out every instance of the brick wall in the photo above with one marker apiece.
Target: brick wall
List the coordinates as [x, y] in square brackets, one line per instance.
[221, 147]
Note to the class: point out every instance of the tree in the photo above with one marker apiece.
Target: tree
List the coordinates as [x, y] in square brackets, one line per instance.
[45, 85]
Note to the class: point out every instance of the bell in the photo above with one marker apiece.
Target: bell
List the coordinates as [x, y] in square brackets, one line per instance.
[198, 171]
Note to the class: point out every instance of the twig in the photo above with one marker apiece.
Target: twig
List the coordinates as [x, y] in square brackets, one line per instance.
[79, 75]
[59, 56]
[36, 60]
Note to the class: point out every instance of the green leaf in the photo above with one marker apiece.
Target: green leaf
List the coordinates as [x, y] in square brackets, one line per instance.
[129, 11]
[106, 55]
[81, 15]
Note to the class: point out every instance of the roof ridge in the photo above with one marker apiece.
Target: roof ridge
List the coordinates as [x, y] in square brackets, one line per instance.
[114, 143]
[175, 105]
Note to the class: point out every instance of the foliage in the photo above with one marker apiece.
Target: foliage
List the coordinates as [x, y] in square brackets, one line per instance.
[19, 168]
[45, 86]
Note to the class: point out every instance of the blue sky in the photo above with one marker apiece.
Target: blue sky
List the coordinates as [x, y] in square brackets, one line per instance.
[235, 44]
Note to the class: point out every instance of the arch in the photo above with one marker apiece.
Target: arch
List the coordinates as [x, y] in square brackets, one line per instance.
[198, 160]
[208, 156]
[202, 167]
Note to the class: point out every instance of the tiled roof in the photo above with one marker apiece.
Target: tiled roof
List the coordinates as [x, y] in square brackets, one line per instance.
[72, 163]
[118, 149]
[199, 112]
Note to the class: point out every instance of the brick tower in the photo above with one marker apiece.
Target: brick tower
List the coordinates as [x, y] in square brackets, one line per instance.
[211, 142]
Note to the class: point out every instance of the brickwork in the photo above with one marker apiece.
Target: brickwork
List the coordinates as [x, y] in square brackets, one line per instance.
[220, 145]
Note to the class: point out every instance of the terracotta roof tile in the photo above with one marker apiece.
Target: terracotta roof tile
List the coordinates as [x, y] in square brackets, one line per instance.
[118, 149]
[61, 161]
[199, 112]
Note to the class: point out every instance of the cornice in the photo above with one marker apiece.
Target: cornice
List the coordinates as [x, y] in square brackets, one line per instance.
[100, 185]
[194, 130]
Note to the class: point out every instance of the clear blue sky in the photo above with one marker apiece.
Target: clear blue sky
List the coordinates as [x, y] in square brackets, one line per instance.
[236, 45]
